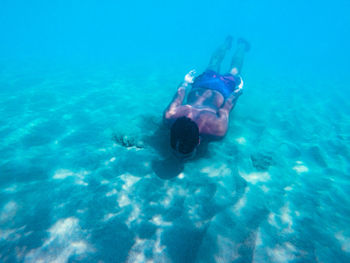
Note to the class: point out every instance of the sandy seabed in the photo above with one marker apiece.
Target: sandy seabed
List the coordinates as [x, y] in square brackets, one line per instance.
[86, 174]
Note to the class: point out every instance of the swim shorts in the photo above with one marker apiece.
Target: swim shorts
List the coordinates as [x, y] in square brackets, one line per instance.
[210, 79]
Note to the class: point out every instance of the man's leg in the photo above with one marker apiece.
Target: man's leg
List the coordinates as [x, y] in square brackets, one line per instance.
[237, 60]
[219, 55]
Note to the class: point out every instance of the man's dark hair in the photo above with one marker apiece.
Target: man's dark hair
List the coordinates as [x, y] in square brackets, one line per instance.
[184, 135]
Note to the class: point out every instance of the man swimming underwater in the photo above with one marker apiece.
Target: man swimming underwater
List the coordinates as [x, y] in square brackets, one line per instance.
[209, 102]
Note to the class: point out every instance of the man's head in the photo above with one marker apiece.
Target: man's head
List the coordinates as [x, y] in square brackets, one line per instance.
[184, 136]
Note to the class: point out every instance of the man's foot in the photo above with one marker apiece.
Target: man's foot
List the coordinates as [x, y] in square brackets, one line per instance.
[228, 42]
[245, 43]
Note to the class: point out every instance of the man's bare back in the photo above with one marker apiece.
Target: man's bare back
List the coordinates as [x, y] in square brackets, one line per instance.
[212, 120]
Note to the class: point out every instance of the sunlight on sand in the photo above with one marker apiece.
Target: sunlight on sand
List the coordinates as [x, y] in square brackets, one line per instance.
[110, 161]
[123, 200]
[282, 220]
[65, 173]
[8, 212]
[241, 202]
[264, 188]
[213, 171]
[300, 168]
[158, 248]
[344, 242]
[288, 188]
[4, 234]
[11, 189]
[104, 182]
[158, 221]
[12, 234]
[134, 215]
[286, 218]
[227, 249]
[142, 246]
[62, 174]
[272, 219]
[282, 253]
[255, 177]
[63, 242]
[109, 216]
[110, 193]
[241, 140]
[129, 180]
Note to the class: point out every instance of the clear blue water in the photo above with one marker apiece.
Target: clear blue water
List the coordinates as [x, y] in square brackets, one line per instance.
[85, 174]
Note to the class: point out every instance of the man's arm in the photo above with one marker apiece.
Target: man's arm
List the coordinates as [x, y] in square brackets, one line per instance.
[179, 96]
[229, 103]
[218, 126]
[176, 101]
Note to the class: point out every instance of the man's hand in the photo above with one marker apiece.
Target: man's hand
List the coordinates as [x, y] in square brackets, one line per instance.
[190, 76]
[239, 89]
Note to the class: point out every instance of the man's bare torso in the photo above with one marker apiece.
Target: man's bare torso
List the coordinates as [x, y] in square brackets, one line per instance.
[204, 107]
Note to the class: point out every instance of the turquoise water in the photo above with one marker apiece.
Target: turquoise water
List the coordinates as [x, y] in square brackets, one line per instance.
[86, 173]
